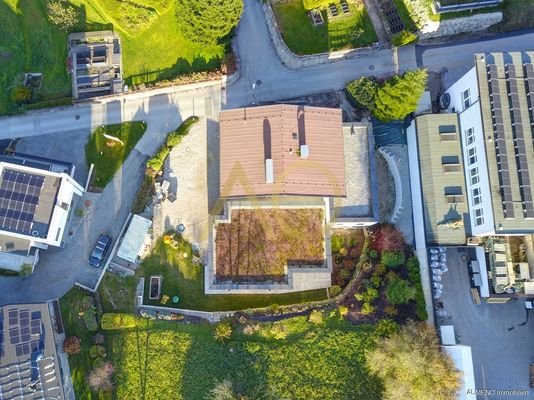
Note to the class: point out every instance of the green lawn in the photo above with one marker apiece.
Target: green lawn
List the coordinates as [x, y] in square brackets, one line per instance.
[108, 154]
[291, 359]
[182, 361]
[153, 47]
[182, 278]
[354, 30]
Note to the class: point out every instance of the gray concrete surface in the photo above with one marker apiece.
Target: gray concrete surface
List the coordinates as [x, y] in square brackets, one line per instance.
[502, 349]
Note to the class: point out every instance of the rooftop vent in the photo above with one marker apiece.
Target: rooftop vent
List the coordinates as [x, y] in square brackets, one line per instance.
[269, 171]
[304, 151]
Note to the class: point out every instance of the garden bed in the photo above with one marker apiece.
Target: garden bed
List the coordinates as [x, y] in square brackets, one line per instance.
[259, 244]
[352, 30]
[347, 246]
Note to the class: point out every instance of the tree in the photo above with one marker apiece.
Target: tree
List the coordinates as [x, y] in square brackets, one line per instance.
[208, 21]
[399, 95]
[62, 14]
[223, 331]
[71, 345]
[412, 367]
[362, 93]
[387, 237]
[399, 291]
[392, 258]
[100, 377]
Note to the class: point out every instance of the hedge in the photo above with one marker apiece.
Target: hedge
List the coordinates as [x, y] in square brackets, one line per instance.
[112, 321]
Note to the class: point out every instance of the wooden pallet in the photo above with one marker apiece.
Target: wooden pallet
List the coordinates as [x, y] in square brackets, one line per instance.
[475, 296]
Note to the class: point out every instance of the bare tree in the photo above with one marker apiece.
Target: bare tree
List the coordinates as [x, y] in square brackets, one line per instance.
[100, 377]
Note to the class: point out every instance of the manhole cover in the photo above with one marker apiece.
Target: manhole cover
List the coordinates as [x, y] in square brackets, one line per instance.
[258, 82]
[77, 116]
[371, 67]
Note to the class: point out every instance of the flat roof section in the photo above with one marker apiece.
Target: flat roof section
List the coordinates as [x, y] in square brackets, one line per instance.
[445, 207]
[358, 202]
[506, 87]
[304, 143]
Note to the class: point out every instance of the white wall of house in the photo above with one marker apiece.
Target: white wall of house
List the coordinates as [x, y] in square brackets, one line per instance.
[465, 101]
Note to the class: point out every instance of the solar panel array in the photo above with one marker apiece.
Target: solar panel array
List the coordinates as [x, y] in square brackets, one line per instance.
[520, 142]
[19, 197]
[24, 333]
[500, 143]
[530, 85]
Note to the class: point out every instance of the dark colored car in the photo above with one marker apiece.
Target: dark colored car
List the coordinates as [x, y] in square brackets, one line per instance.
[100, 250]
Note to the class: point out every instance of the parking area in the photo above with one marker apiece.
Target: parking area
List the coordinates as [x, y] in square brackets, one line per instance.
[502, 343]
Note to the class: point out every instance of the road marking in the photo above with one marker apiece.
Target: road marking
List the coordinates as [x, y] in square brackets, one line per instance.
[484, 380]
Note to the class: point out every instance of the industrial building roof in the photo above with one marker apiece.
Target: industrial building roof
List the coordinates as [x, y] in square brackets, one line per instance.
[506, 87]
[443, 188]
[282, 150]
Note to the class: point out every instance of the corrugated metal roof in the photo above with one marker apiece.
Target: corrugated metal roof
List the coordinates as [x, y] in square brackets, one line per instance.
[134, 238]
[249, 136]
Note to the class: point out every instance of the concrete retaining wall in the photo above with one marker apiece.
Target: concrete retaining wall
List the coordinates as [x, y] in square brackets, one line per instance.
[294, 61]
[475, 23]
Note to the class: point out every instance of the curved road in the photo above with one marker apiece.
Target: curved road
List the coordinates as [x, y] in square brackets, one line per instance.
[163, 109]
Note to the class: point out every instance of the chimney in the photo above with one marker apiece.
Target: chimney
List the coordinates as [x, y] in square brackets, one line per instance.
[304, 151]
[269, 171]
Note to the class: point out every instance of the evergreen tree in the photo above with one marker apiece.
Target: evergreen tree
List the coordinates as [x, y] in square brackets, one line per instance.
[208, 21]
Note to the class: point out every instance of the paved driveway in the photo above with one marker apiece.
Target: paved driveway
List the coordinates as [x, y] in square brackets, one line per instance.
[502, 348]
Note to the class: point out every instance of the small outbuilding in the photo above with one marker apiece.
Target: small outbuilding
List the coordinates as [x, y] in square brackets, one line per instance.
[135, 238]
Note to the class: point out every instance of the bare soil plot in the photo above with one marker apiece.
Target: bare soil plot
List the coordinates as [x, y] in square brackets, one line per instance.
[259, 243]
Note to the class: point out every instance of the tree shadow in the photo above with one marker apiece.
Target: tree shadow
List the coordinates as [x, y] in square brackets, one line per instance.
[88, 26]
[182, 66]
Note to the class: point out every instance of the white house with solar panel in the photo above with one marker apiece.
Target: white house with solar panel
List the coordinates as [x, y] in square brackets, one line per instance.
[472, 166]
[35, 205]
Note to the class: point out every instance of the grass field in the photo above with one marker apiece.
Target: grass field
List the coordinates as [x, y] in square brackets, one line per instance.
[153, 46]
[292, 359]
[184, 279]
[258, 244]
[108, 154]
[354, 30]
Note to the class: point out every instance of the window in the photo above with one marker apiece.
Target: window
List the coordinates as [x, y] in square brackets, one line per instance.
[475, 178]
[451, 164]
[470, 136]
[479, 217]
[447, 132]
[477, 196]
[472, 155]
[453, 194]
[466, 97]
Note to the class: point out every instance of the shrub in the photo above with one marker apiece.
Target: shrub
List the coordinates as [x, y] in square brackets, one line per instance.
[337, 243]
[362, 93]
[399, 291]
[62, 14]
[208, 22]
[223, 331]
[143, 194]
[412, 265]
[391, 310]
[420, 303]
[386, 327]
[342, 311]
[392, 259]
[278, 331]
[21, 94]
[335, 290]
[222, 391]
[367, 308]
[100, 378]
[373, 254]
[387, 237]
[251, 329]
[316, 317]
[97, 351]
[419, 11]
[275, 308]
[403, 38]
[368, 296]
[164, 299]
[89, 318]
[26, 270]
[71, 345]
[112, 321]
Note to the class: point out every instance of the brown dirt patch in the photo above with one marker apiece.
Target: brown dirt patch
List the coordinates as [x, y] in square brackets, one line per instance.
[258, 243]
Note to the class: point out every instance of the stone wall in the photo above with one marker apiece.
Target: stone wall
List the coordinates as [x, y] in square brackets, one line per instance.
[294, 61]
[475, 23]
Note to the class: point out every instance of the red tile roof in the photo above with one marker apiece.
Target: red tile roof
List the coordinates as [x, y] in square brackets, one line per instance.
[249, 136]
